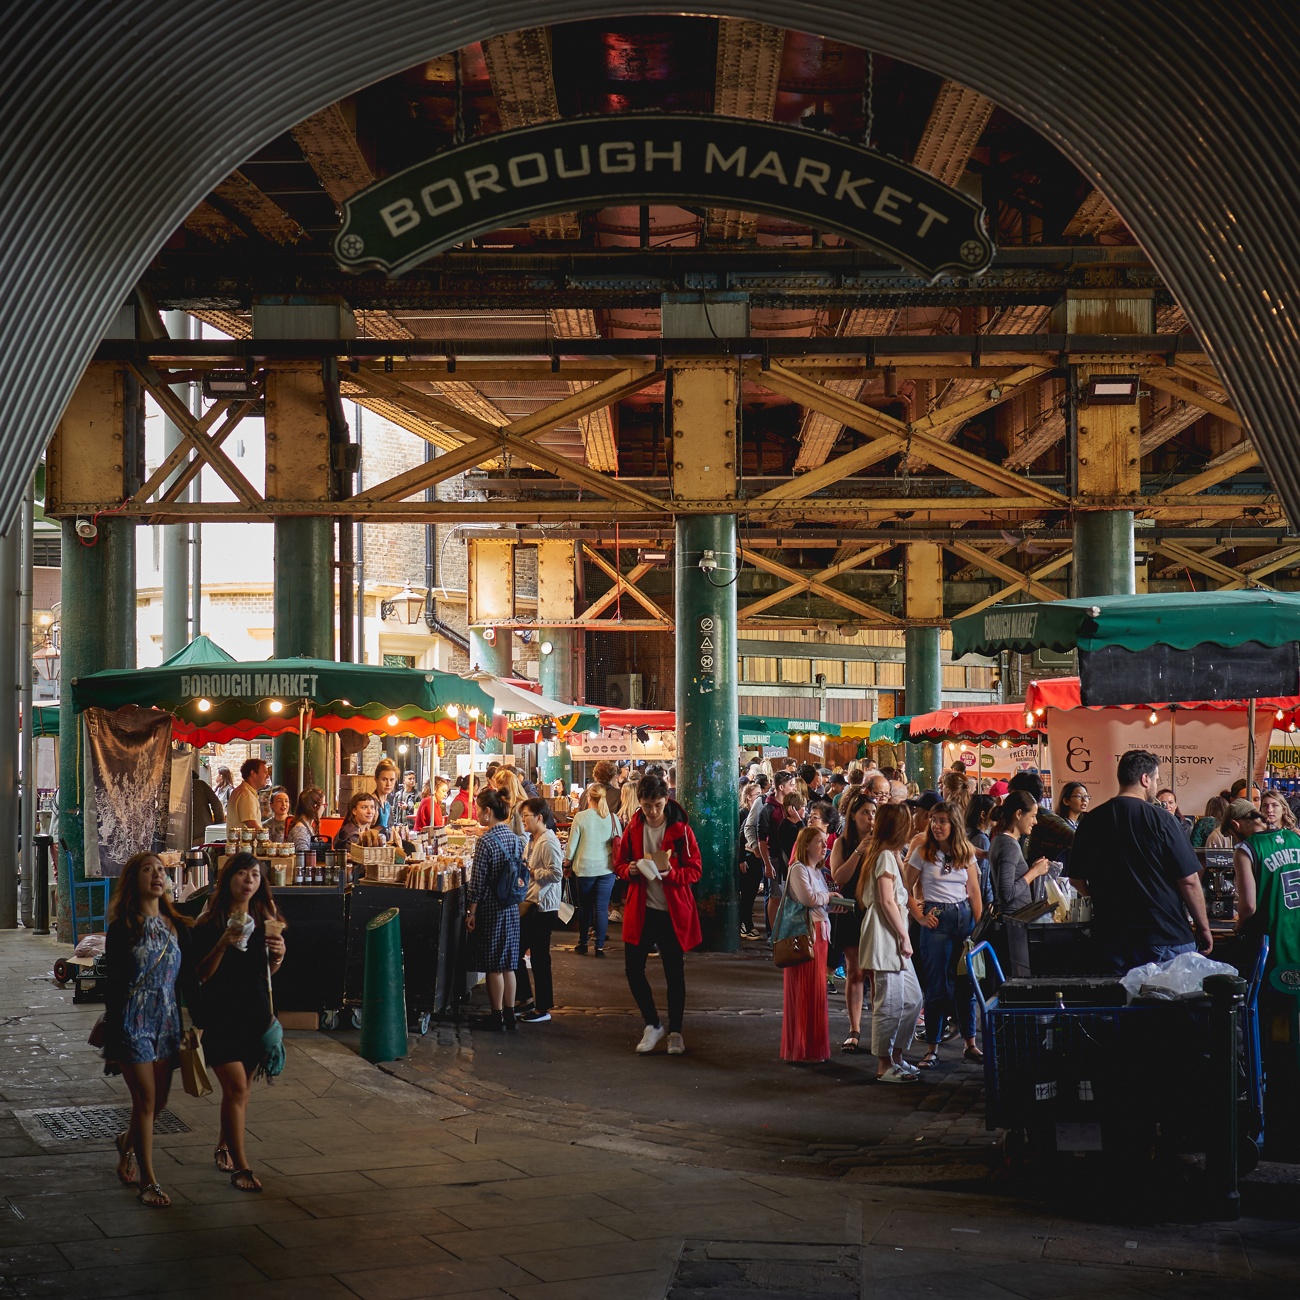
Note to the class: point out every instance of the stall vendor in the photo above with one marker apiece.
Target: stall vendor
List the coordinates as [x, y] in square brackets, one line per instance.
[277, 824]
[1139, 868]
[389, 798]
[362, 811]
[244, 808]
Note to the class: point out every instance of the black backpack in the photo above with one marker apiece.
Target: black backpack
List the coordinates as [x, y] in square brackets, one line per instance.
[512, 883]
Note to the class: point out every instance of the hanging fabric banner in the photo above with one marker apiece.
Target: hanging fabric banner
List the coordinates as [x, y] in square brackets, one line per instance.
[1209, 748]
[127, 786]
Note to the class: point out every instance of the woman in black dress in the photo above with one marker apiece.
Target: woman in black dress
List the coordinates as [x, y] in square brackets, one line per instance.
[494, 924]
[237, 947]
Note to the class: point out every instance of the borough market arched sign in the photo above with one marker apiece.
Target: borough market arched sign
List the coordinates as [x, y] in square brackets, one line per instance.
[592, 162]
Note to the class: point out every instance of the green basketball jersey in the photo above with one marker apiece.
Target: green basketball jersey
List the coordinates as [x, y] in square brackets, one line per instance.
[1277, 872]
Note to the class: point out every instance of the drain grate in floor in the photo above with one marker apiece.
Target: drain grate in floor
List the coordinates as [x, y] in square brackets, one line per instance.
[85, 1123]
[734, 1269]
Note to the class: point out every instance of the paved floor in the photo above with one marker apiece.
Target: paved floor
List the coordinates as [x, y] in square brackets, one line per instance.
[456, 1187]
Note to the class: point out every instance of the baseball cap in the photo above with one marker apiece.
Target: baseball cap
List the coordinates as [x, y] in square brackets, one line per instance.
[1240, 809]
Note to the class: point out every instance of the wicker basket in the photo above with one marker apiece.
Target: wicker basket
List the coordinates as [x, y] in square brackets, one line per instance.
[374, 855]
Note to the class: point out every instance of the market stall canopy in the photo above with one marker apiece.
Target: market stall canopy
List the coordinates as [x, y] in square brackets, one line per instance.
[752, 723]
[202, 650]
[889, 731]
[1164, 646]
[215, 703]
[45, 721]
[515, 702]
[1065, 693]
[627, 719]
[978, 723]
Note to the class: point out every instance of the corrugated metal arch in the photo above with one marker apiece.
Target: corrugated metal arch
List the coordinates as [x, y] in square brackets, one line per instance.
[119, 117]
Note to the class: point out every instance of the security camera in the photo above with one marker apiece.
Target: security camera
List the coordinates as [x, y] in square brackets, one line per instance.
[87, 530]
[708, 562]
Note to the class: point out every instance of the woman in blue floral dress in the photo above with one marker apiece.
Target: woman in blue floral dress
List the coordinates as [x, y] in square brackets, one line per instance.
[147, 949]
[494, 924]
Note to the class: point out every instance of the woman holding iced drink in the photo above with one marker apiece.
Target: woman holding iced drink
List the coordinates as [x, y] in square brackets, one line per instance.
[238, 947]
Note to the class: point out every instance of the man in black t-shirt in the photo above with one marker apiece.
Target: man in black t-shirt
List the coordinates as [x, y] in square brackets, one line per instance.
[1134, 860]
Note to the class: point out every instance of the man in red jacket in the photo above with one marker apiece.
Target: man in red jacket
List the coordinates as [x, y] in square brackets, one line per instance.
[660, 860]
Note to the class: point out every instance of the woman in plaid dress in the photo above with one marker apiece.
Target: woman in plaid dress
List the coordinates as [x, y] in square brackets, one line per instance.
[494, 924]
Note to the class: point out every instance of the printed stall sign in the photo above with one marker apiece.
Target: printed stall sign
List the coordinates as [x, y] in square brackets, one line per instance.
[497, 180]
[1209, 748]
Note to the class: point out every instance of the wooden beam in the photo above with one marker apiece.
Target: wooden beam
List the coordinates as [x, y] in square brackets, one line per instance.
[179, 414]
[525, 429]
[804, 584]
[1203, 564]
[1175, 389]
[1043, 571]
[603, 602]
[853, 605]
[630, 587]
[178, 454]
[991, 565]
[977, 402]
[1243, 458]
[962, 464]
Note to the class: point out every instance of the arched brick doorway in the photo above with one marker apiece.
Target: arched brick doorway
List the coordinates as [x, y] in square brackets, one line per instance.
[119, 118]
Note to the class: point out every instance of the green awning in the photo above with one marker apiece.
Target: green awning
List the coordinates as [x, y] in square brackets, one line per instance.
[216, 702]
[751, 722]
[1179, 620]
[890, 731]
[45, 721]
[202, 650]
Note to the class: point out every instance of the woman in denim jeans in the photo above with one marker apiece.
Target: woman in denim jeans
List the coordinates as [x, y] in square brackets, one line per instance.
[945, 900]
[591, 856]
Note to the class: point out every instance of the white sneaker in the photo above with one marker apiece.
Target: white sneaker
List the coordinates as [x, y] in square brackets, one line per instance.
[651, 1039]
[676, 1045]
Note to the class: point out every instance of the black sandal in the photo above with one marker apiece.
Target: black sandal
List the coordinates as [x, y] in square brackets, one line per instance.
[974, 1054]
[251, 1186]
[221, 1158]
[851, 1043]
[928, 1061]
[124, 1153]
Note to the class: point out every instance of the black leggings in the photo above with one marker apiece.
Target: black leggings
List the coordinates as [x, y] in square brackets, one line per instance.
[658, 929]
[751, 879]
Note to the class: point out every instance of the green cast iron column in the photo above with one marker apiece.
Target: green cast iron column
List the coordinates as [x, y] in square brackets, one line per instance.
[923, 689]
[97, 631]
[304, 625]
[708, 722]
[555, 675]
[492, 657]
[1103, 553]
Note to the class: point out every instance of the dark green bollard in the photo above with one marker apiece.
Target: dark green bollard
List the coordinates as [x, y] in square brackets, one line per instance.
[383, 995]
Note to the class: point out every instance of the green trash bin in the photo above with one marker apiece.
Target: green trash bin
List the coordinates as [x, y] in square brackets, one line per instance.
[383, 993]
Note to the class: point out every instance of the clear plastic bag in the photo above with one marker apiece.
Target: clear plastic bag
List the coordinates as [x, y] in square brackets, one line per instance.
[1169, 980]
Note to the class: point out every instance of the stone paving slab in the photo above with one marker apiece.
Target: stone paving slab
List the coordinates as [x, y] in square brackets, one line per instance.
[379, 1189]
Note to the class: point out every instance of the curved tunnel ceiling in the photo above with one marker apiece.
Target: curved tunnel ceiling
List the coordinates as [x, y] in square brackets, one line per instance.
[120, 118]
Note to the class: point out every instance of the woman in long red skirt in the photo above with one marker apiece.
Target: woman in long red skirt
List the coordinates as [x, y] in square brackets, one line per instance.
[805, 1019]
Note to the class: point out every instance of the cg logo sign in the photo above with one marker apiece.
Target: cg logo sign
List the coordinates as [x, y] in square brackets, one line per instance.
[1078, 757]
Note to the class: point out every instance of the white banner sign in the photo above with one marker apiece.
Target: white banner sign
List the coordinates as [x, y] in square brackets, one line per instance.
[1209, 749]
[587, 748]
